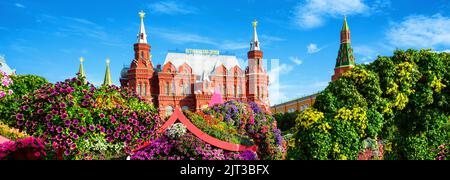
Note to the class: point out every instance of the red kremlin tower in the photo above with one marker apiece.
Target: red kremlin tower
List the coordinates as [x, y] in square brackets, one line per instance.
[345, 60]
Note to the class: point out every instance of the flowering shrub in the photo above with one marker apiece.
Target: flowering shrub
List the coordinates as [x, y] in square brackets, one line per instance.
[23, 84]
[71, 114]
[24, 149]
[402, 100]
[5, 83]
[442, 152]
[186, 147]
[372, 150]
[176, 130]
[242, 123]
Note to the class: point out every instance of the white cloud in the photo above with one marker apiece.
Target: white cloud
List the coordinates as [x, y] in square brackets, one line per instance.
[267, 38]
[312, 48]
[420, 32]
[182, 37]
[171, 8]
[19, 5]
[313, 13]
[232, 45]
[365, 53]
[296, 60]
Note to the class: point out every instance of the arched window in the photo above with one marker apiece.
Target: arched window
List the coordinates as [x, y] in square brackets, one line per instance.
[257, 92]
[138, 89]
[183, 92]
[166, 88]
[224, 90]
[172, 88]
[169, 111]
[239, 92]
[235, 91]
[142, 54]
[144, 92]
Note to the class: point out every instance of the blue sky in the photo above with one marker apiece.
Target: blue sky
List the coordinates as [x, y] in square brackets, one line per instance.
[47, 37]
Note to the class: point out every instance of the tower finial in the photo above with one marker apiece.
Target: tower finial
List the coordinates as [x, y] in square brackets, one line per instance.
[107, 81]
[254, 44]
[345, 26]
[81, 70]
[142, 36]
[142, 14]
[254, 23]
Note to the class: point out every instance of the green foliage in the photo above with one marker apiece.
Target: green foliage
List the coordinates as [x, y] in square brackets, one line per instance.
[285, 121]
[403, 99]
[23, 84]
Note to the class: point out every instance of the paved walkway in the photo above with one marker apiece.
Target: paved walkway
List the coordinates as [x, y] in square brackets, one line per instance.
[3, 139]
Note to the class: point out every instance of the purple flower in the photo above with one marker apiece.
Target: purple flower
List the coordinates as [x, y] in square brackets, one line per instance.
[113, 120]
[64, 115]
[84, 103]
[19, 123]
[66, 152]
[109, 139]
[19, 117]
[102, 129]
[62, 105]
[109, 131]
[75, 121]
[54, 112]
[59, 129]
[116, 135]
[40, 111]
[91, 127]
[75, 136]
[98, 126]
[102, 115]
[73, 146]
[24, 108]
[28, 123]
[142, 128]
[48, 117]
[83, 130]
[128, 137]
[67, 122]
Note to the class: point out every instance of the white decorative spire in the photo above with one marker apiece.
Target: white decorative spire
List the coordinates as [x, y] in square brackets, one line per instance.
[254, 44]
[142, 36]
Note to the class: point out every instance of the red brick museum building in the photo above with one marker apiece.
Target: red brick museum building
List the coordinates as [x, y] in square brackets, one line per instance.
[187, 80]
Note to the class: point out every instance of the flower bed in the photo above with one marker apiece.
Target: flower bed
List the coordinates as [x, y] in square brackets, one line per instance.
[85, 122]
[242, 123]
[177, 144]
[24, 149]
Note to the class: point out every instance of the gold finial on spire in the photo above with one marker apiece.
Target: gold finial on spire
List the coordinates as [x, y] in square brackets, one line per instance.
[255, 23]
[142, 14]
[107, 61]
[81, 59]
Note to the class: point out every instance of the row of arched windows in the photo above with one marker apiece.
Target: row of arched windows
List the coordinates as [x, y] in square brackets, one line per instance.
[142, 89]
[169, 88]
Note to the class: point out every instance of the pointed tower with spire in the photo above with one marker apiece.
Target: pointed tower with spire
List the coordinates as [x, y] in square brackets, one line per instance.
[345, 60]
[256, 76]
[81, 70]
[140, 77]
[107, 81]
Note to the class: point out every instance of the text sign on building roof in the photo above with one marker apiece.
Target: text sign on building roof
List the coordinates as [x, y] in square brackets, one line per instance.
[202, 51]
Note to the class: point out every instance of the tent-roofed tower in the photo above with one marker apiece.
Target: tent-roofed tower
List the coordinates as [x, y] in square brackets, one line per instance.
[139, 77]
[256, 75]
[81, 70]
[345, 59]
[107, 81]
